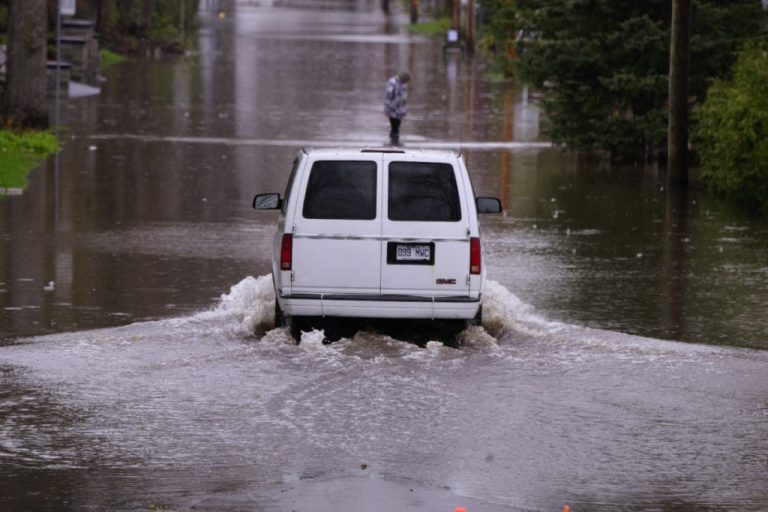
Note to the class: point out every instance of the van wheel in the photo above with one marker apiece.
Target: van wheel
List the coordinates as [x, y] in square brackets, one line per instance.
[297, 324]
[447, 331]
[295, 329]
[478, 320]
[280, 320]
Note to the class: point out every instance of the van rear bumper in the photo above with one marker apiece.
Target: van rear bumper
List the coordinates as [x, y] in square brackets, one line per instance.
[381, 306]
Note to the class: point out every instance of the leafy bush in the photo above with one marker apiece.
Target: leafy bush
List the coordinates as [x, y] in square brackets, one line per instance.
[434, 28]
[136, 26]
[499, 26]
[109, 58]
[20, 153]
[731, 134]
[604, 65]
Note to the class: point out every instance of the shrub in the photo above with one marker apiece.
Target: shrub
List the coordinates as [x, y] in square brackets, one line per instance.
[109, 58]
[731, 134]
[20, 153]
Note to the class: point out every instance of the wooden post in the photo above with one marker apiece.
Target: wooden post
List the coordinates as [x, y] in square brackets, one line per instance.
[455, 14]
[677, 132]
[414, 11]
[471, 26]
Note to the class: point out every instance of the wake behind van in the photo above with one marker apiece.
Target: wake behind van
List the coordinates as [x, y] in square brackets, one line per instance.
[377, 233]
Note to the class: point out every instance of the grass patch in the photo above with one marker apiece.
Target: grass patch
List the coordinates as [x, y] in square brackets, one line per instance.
[109, 58]
[439, 27]
[22, 152]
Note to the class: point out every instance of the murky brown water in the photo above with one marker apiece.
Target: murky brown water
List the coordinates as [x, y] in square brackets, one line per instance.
[567, 394]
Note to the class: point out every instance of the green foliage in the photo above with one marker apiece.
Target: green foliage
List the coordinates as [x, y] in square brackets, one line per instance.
[132, 26]
[731, 135]
[109, 58]
[604, 65]
[434, 28]
[500, 26]
[3, 18]
[20, 153]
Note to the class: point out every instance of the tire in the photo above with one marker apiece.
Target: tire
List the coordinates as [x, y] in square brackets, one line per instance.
[478, 320]
[294, 326]
[447, 331]
[280, 319]
[297, 324]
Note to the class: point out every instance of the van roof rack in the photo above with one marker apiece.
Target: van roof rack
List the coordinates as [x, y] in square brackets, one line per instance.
[382, 150]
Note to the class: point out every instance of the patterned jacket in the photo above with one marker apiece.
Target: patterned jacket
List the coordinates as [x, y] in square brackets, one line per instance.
[397, 94]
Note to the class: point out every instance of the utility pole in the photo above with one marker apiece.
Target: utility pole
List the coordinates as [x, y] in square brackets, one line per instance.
[471, 26]
[455, 14]
[414, 11]
[677, 132]
[182, 21]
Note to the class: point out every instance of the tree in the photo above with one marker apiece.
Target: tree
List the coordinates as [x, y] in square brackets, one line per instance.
[499, 23]
[604, 65]
[26, 96]
[141, 26]
[731, 134]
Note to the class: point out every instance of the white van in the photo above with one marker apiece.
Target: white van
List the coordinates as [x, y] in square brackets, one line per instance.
[377, 233]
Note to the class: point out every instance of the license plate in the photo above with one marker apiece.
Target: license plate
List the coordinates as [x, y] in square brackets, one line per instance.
[413, 252]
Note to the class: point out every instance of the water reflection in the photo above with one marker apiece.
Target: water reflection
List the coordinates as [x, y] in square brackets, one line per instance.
[613, 249]
[674, 260]
[206, 408]
[173, 149]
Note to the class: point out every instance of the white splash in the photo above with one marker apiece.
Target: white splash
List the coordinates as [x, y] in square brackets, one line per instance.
[312, 340]
[503, 312]
[250, 305]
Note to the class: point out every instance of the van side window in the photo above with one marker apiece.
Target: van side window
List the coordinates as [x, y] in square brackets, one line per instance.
[289, 186]
[423, 191]
[341, 190]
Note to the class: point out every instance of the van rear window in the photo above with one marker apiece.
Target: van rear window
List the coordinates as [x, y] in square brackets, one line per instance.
[423, 191]
[341, 190]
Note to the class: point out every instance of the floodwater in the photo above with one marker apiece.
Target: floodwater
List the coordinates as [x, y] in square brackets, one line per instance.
[622, 363]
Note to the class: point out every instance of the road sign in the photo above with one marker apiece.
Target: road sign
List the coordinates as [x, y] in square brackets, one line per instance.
[67, 7]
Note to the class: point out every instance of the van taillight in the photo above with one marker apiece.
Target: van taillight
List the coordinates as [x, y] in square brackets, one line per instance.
[475, 263]
[286, 252]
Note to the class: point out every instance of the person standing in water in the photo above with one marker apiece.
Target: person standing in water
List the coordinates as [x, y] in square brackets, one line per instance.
[395, 104]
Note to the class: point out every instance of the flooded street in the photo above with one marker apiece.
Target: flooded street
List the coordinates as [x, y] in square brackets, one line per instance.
[622, 363]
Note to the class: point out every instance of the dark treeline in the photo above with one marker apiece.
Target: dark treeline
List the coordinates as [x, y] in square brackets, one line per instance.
[604, 64]
[27, 28]
[603, 67]
[128, 26]
[131, 26]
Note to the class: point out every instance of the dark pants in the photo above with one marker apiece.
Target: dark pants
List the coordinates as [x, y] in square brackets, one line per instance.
[394, 132]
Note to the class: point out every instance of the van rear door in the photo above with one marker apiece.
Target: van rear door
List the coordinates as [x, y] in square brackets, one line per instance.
[425, 228]
[337, 227]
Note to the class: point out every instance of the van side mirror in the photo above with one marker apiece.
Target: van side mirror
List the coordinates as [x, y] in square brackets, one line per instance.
[269, 201]
[488, 205]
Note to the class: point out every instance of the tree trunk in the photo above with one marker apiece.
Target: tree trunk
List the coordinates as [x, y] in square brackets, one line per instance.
[456, 14]
[677, 134]
[471, 26]
[26, 95]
